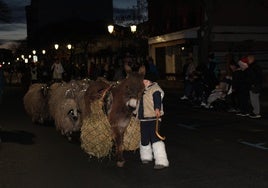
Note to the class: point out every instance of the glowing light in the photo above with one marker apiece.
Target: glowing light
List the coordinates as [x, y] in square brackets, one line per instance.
[133, 28]
[56, 46]
[69, 46]
[110, 28]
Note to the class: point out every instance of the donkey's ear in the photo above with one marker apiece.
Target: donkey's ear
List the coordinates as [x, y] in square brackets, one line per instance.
[127, 68]
[142, 70]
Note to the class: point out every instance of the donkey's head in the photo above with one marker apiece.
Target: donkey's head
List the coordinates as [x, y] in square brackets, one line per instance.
[132, 86]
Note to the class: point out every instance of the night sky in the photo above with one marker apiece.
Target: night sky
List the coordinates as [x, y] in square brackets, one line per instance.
[16, 30]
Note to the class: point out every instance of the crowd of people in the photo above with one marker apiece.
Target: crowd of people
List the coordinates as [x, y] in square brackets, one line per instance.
[238, 90]
[58, 70]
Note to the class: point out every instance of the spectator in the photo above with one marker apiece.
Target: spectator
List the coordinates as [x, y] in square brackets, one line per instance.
[188, 78]
[34, 73]
[242, 88]
[57, 71]
[119, 72]
[151, 68]
[212, 75]
[232, 97]
[44, 72]
[255, 80]
[26, 78]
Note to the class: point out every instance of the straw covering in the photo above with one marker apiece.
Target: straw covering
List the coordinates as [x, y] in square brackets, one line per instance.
[96, 133]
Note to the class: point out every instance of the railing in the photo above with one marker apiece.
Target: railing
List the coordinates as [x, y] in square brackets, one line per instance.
[171, 76]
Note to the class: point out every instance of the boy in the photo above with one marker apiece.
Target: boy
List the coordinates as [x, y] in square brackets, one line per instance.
[150, 111]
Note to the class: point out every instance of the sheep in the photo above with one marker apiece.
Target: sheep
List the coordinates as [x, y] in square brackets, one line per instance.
[67, 117]
[36, 103]
[56, 92]
[65, 106]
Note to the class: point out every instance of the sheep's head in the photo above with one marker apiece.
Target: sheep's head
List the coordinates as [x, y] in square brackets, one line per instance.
[44, 90]
[74, 115]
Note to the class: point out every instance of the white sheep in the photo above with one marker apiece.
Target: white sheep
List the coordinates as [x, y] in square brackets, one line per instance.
[67, 117]
[65, 106]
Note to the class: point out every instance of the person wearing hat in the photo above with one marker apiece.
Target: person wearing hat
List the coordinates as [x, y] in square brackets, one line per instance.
[243, 88]
[150, 111]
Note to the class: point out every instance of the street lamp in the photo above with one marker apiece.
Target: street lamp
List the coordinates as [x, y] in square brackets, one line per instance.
[110, 29]
[133, 28]
[56, 46]
[34, 52]
[69, 46]
[43, 52]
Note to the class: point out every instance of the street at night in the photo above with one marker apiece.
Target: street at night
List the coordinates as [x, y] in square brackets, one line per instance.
[206, 148]
[187, 64]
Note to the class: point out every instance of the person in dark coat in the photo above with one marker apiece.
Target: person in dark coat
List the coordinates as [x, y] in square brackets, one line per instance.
[242, 88]
[255, 82]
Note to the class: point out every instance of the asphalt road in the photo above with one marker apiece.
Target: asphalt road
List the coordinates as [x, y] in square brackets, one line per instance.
[206, 149]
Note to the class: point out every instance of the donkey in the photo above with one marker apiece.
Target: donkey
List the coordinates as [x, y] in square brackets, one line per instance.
[122, 101]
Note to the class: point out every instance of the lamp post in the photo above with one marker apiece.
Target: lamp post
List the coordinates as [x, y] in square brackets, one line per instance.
[69, 47]
[56, 46]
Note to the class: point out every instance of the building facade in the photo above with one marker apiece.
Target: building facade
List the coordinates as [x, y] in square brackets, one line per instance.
[199, 27]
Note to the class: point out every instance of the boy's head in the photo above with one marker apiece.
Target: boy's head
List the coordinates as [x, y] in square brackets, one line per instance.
[150, 76]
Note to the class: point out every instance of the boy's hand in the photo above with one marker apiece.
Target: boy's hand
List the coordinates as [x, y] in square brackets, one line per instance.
[157, 112]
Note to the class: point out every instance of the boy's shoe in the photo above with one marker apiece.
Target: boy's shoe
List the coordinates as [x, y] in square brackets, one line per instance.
[255, 116]
[159, 167]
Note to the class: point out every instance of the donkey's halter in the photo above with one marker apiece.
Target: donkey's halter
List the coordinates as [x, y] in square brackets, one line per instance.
[106, 97]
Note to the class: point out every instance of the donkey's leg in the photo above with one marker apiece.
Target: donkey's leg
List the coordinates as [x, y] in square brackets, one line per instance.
[119, 151]
[118, 127]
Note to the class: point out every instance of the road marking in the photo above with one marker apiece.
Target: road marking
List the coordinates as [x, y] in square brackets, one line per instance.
[191, 127]
[256, 145]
